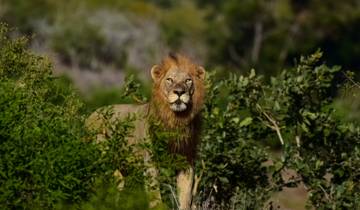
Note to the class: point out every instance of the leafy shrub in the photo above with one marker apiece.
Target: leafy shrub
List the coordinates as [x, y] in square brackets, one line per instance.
[108, 197]
[43, 157]
[295, 109]
[232, 158]
[347, 105]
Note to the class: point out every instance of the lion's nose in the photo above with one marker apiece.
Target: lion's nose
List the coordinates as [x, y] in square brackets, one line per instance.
[179, 91]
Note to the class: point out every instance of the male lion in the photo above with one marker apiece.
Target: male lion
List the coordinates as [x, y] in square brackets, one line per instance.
[177, 97]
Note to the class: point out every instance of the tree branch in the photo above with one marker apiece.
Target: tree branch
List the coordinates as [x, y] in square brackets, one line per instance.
[197, 179]
[274, 124]
[258, 38]
[352, 81]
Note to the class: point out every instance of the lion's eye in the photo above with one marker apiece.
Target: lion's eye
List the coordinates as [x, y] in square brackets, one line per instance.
[169, 80]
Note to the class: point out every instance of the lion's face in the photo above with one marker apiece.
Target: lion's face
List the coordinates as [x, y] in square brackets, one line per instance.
[178, 88]
[176, 81]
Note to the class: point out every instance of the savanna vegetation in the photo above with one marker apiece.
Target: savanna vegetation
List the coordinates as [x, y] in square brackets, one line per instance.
[276, 104]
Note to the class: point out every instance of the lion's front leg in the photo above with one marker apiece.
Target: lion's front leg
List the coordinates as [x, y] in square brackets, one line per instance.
[185, 182]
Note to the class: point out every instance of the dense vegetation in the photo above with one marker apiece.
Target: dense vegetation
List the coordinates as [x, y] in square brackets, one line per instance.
[293, 114]
[293, 108]
[48, 160]
[45, 158]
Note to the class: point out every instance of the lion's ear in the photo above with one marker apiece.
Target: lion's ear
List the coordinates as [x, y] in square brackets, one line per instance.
[200, 73]
[155, 72]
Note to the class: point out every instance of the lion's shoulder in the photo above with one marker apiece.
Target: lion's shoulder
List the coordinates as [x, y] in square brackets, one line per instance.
[107, 116]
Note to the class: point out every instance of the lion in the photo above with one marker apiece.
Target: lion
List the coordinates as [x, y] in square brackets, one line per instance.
[177, 98]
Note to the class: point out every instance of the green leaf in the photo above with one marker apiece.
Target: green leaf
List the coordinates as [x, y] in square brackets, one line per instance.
[245, 122]
[224, 180]
[304, 127]
[278, 165]
[235, 119]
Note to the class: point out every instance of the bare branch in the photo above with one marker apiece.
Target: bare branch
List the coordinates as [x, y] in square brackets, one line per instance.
[173, 194]
[138, 100]
[297, 139]
[258, 38]
[326, 194]
[352, 81]
[273, 122]
[197, 179]
[236, 57]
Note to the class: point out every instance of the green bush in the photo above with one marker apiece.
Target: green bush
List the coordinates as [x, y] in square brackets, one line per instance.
[43, 156]
[294, 108]
[46, 159]
[108, 197]
[347, 104]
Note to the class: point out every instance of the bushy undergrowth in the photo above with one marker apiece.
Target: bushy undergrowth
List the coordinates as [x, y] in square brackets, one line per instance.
[47, 160]
[43, 158]
[108, 197]
[243, 113]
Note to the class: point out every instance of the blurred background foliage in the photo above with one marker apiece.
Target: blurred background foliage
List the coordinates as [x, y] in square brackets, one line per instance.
[94, 45]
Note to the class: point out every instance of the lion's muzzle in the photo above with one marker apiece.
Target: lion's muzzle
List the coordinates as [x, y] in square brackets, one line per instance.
[179, 100]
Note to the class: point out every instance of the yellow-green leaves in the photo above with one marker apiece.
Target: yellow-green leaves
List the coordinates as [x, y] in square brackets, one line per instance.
[245, 122]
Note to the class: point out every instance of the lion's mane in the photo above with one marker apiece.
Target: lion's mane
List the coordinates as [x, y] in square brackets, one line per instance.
[188, 122]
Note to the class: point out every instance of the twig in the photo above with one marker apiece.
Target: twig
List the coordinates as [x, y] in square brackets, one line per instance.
[275, 125]
[208, 199]
[297, 139]
[197, 179]
[174, 196]
[351, 80]
[138, 100]
[258, 38]
[326, 194]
